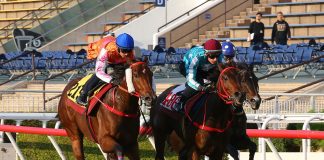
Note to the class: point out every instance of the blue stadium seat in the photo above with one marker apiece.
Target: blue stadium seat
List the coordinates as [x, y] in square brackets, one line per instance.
[297, 57]
[153, 58]
[161, 60]
[307, 55]
[258, 57]
[250, 57]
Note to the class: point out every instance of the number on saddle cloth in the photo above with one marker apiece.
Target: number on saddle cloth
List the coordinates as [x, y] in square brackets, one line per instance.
[173, 99]
[75, 91]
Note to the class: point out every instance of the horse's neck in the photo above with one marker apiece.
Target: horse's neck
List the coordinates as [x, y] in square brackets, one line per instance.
[124, 101]
[217, 110]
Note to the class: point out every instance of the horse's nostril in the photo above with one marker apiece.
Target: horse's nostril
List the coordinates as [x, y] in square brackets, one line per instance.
[147, 98]
[237, 94]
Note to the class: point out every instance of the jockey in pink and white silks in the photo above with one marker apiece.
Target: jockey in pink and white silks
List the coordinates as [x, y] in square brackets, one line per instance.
[113, 53]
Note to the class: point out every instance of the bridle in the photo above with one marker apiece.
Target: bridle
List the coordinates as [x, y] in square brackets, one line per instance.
[130, 87]
[225, 96]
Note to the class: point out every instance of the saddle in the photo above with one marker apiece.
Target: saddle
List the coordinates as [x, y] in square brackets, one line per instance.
[169, 104]
[75, 92]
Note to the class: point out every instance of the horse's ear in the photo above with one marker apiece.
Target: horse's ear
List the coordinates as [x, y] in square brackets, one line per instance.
[221, 66]
[250, 67]
[146, 60]
[129, 62]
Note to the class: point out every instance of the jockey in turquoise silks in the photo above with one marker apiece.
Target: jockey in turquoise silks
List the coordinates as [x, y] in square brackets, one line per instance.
[194, 59]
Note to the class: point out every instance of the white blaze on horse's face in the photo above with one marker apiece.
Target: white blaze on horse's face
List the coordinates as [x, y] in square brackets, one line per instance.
[129, 80]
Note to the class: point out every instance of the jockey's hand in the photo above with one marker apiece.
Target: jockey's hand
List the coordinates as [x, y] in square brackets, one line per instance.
[205, 88]
[115, 81]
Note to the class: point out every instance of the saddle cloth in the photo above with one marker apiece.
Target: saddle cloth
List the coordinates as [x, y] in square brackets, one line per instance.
[75, 92]
[173, 98]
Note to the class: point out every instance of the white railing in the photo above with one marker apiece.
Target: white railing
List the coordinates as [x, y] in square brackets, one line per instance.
[284, 103]
[27, 101]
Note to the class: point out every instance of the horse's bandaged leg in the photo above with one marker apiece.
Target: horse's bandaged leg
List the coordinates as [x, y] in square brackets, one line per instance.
[129, 80]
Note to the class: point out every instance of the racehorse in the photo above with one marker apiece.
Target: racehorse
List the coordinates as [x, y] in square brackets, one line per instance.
[239, 139]
[208, 133]
[115, 130]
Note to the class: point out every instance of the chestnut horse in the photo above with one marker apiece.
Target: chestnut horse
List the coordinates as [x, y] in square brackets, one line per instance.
[208, 134]
[116, 134]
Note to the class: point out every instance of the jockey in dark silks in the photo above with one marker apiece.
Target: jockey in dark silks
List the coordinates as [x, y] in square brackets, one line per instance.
[228, 50]
[196, 58]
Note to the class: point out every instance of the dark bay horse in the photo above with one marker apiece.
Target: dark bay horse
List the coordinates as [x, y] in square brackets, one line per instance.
[210, 134]
[116, 134]
[239, 139]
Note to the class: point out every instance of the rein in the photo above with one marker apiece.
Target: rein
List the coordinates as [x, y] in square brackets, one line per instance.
[220, 86]
[203, 125]
[112, 108]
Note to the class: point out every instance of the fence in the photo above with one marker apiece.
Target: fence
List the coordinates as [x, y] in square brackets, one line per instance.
[284, 103]
[262, 132]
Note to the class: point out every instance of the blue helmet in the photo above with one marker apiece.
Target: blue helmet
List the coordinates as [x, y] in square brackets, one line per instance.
[228, 49]
[125, 41]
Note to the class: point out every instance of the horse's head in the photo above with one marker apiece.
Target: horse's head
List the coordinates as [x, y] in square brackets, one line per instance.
[250, 86]
[139, 81]
[229, 86]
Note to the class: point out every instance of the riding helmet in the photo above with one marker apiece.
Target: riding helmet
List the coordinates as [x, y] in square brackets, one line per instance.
[125, 41]
[228, 49]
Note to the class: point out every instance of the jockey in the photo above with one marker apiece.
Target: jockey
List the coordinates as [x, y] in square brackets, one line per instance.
[115, 52]
[228, 50]
[196, 58]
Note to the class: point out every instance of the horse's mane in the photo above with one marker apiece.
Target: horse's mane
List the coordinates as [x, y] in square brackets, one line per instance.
[119, 69]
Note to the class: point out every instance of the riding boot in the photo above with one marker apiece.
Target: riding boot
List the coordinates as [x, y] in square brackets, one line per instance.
[82, 99]
[186, 94]
[87, 90]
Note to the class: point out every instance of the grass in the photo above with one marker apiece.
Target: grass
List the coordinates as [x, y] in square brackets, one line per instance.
[36, 147]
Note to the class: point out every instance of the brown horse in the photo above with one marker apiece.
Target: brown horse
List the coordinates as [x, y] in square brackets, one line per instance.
[208, 135]
[116, 134]
[239, 139]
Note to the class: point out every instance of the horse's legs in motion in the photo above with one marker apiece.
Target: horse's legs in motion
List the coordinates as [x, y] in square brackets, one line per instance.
[109, 145]
[232, 151]
[159, 140]
[193, 154]
[133, 152]
[252, 149]
[77, 145]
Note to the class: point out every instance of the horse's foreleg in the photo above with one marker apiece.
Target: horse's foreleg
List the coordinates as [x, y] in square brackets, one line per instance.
[159, 140]
[193, 154]
[133, 152]
[232, 151]
[252, 150]
[77, 147]
[109, 145]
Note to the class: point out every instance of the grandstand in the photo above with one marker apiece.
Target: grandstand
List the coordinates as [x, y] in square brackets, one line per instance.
[291, 76]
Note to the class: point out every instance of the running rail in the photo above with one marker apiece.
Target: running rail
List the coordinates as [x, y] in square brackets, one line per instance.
[300, 134]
